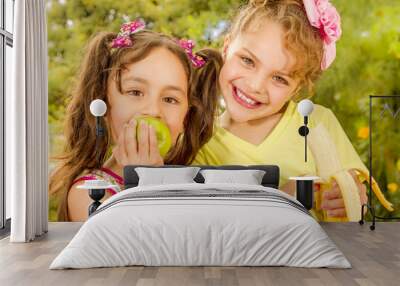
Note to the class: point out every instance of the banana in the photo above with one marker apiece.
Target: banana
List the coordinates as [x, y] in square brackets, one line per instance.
[329, 167]
[375, 188]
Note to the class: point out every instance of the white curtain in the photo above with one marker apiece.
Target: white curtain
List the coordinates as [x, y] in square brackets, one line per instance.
[26, 124]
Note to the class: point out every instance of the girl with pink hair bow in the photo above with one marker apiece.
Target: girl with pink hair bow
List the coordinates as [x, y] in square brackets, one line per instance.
[274, 52]
[137, 73]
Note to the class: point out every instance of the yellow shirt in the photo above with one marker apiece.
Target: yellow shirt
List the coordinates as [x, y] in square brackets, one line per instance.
[283, 146]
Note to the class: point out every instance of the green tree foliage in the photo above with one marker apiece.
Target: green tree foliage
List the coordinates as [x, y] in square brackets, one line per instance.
[368, 63]
[368, 59]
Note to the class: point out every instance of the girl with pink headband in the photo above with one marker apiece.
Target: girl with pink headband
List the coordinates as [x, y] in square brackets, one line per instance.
[273, 54]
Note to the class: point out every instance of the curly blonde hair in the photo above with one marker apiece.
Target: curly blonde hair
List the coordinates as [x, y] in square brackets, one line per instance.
[301, 39]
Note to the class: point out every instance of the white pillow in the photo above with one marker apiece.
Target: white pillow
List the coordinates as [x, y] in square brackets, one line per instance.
[164, 176]
[249, 177]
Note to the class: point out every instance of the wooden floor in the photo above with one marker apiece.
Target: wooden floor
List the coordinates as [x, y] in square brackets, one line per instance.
[375, 256]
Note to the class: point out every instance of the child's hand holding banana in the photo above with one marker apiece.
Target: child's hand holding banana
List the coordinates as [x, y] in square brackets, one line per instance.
[341, 194]
[332, 200]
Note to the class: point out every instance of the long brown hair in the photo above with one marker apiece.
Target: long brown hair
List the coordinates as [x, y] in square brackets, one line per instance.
[81, 154]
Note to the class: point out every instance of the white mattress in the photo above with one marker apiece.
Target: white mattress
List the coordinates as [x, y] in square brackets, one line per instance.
[201, 224]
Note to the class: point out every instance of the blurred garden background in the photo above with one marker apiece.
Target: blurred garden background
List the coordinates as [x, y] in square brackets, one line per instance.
[367, 63]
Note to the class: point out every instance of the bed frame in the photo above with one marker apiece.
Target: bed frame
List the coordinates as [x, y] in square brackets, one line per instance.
[270, 179]
[131, 178]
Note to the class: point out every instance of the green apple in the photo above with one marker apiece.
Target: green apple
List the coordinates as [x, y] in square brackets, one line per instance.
[162, 133]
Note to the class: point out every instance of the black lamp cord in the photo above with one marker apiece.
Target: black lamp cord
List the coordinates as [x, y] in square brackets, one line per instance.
[97, 194]
[303, 131]
[99, 134]
[305, 137]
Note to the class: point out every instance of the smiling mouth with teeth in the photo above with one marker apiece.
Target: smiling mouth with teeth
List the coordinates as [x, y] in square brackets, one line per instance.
[244, 99]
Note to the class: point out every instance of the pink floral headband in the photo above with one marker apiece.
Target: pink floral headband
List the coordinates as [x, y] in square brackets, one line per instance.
[123, 40]
[188, 46]
[127, 29]
[324, 16]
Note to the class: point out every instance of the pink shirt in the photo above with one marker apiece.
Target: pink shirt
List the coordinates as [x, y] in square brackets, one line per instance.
[106, 175]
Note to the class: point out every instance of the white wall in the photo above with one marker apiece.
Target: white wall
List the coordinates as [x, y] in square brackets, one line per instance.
[8, 85]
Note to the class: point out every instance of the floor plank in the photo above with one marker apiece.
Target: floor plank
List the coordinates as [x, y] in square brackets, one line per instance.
[374, 255]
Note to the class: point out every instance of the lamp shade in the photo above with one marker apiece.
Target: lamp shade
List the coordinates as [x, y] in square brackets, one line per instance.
[305, 107]
[98, 107]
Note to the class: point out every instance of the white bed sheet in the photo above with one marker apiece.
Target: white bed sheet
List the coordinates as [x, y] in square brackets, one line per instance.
[195, 231]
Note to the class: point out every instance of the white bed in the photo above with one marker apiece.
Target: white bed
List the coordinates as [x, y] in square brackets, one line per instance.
[201, 224]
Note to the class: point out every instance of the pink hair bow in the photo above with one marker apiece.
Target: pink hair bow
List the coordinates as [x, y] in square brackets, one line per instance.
[324, 16]
[127, 29]
[188, 46]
